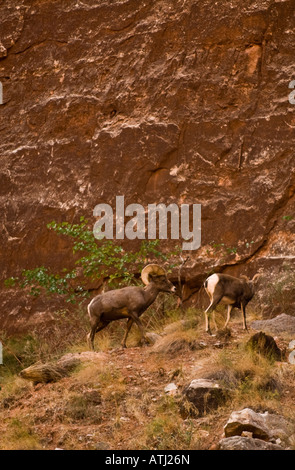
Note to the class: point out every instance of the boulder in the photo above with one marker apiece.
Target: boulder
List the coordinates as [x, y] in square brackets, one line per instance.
[246, 443]
[54, 371]
[205, 394]
[246, 420]
[291, 357]
[263, 426]
[171, 389]
[264, 345]
[280, 324]
[152, 337]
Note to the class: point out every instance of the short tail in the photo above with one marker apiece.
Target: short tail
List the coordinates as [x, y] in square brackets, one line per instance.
[88, 308]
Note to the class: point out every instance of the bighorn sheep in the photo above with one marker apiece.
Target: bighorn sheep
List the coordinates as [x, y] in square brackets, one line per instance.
[234, 292]
[128, 302]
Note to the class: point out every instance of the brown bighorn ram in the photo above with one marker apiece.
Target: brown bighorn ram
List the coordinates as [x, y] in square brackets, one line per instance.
[229, 290]
[128, 302]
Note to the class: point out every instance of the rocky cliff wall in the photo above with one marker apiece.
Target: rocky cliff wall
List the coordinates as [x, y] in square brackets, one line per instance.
[160, 101]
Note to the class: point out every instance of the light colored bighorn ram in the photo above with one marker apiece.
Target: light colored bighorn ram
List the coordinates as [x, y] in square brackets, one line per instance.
[229, 290]
[129, 302]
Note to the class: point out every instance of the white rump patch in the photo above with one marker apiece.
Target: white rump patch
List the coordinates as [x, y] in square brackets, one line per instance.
[211, 283]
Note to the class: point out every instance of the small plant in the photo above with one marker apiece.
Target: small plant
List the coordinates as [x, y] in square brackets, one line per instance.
[167, 430]
[19, 436]
[101, 259]
[222, 250]
[78, 407]
[251, 377]
[113, 386]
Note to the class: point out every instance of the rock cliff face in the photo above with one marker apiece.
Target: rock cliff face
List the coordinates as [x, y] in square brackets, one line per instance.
[159, 101]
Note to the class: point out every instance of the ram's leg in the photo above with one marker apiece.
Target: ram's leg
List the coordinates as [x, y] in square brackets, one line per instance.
[207, 317]
[215, 300]
[95, 329]
[129, 324]
[141, 328]
[243, 308]
[229, 309]
[207, 323]
[90, 338]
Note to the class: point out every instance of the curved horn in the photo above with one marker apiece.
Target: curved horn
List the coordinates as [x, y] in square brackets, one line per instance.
[151, 269]
[243, 276]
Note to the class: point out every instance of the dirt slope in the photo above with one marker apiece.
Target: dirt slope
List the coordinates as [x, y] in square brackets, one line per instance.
[119, 402]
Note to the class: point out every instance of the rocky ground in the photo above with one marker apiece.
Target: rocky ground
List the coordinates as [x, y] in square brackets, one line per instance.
[135, 398]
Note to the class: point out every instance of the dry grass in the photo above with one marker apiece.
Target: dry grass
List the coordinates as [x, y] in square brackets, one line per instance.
[17, 434]
[167, 430]
[119, 401]
[177, 342]
[88, 373]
